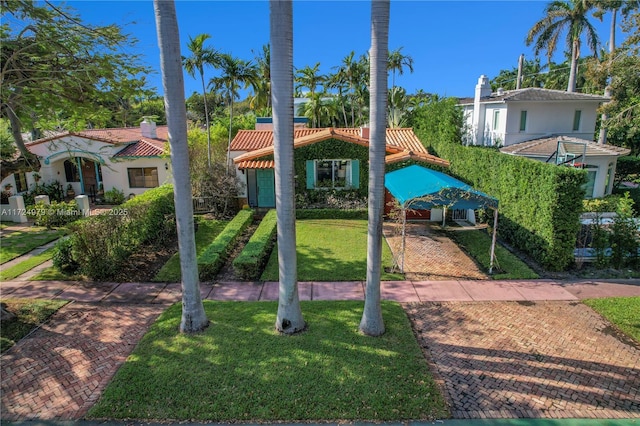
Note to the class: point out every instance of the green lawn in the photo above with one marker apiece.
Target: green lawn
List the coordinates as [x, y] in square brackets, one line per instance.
[208, 230]
[331, 250]
[22, 267]
[624, 312]
[507, 266]
[29, 315]
[240, 370]
[20, 242]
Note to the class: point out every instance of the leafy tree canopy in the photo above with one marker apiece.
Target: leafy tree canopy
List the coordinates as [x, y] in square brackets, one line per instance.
[60, 73]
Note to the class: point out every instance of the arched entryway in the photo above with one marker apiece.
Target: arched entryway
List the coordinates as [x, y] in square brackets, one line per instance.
[85, 172]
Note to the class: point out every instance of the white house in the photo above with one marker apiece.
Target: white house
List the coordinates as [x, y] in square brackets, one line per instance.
[545, 125]
[131, 159]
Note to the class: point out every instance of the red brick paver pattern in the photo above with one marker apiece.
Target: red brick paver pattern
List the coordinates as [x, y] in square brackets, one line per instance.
[429, 254]
[529, 359]
[60, 371]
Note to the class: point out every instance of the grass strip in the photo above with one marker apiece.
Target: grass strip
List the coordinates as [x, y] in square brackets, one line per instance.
[507, 266]
[29, 314]
[208, 230]
[20, 242]
[623, 312]
[331, 250]
[27, 265]
[241, 370]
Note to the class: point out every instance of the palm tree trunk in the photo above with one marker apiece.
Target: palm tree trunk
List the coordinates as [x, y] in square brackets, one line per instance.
[571, 87]
[602, 136]
[193, 315]
[206, 119]
[372, 323]
[229, 168]
[289, 318]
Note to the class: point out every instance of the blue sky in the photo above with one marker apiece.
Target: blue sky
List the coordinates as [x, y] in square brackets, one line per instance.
[451, 42]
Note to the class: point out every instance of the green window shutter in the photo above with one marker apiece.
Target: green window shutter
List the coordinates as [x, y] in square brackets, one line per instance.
[355, 174]
[310, 175]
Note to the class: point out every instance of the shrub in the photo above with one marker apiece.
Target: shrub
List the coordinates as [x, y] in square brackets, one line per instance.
[358, 214]
[102, 243]
[54, 214]
[213, 257]
[63, 256]
[114, 196]
[254, 256]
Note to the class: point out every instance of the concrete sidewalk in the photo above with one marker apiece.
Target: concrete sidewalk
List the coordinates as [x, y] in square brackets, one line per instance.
[399, 291]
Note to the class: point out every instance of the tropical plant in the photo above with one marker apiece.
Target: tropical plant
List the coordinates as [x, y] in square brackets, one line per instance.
[570, 16]
[289, 317]
[235, 72]
[372, 323]
[193, 316]
[200, 57]
[309, 77]
[261, 99]
[397, 63]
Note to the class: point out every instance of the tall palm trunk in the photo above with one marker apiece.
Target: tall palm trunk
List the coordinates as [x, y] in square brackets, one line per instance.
[575, 54]
[229, 168]
[289, 318]
[372, 323]
[602, 136]
[206, 119]
[193, 315]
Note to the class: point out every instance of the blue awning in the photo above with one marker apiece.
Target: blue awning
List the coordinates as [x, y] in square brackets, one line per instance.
[420, 188]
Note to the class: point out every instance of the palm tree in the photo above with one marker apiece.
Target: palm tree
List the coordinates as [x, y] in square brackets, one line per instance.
[372, 323]
[614, 6]
[561, 16]
[339, 82]
[193, 316]
[289, 318]
[262, 85]
[349, 70]
[397, 62]
[235, 71]
[201, 56]
[308, 77]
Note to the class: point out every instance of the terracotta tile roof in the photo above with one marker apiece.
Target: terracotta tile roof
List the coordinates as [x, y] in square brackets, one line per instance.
[143, 148]
[251, 140]
[113, 136]
[265, 164]
[545, 147]
[420, 156]
[536, 94]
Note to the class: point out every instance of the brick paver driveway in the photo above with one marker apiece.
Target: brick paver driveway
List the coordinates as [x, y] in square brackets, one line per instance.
[60, 371]
[526, 359]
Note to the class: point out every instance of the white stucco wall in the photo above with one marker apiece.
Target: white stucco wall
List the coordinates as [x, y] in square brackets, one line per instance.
[242, 190]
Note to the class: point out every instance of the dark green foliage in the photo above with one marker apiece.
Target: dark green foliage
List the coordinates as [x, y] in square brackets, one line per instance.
[626, 168]
[63, 256]
[540, 203]
[358, 214]
[102, 243]
[53, 190]
[114, 196]
[624, 236]
[55, 214]
[214, 256]
[254, 256]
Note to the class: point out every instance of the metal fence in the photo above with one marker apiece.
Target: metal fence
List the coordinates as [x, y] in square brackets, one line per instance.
[203, 204]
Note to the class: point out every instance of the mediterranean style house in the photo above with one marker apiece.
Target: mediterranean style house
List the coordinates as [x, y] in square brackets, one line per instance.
[545, 125]
[325, 159]
[131, 160]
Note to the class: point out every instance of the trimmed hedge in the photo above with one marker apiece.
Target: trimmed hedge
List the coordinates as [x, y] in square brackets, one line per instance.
[255, 254]
[101, 244]
[540, 203]
[213, 257]
[357, 214]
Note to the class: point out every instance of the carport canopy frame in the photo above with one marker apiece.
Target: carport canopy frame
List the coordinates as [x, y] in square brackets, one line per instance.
[421, 188]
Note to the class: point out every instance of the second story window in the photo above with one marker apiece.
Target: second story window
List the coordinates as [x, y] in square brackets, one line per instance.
[523, 121]
[576, 120]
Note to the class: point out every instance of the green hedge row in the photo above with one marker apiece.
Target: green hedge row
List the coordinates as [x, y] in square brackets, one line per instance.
[540, 203]
[255, 254]
[100, 244]
[213, 257]
[357, 214]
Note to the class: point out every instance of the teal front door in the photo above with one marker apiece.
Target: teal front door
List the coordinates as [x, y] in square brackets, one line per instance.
[266, 188]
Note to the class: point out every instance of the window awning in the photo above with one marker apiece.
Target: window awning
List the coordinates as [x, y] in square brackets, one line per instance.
[417, 187]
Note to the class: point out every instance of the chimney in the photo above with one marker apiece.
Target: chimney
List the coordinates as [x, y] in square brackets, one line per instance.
[148, 128]
[483, 90]
[364, 132]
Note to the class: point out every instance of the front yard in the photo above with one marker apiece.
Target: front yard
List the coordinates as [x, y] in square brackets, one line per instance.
[332, 250]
